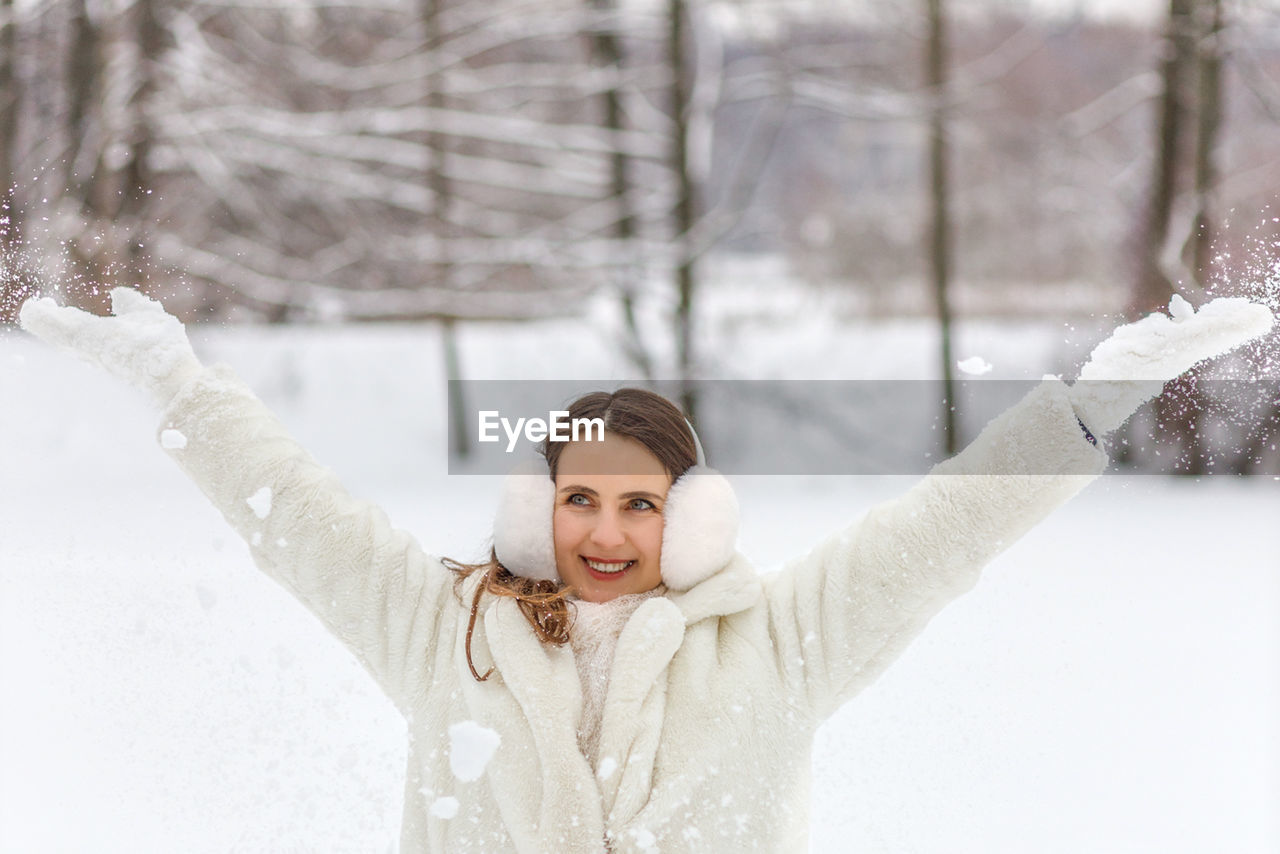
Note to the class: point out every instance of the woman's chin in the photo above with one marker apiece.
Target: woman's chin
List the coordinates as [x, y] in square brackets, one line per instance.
[591, 591]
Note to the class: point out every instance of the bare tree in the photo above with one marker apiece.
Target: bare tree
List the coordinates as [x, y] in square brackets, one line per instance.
[1185, 176]
[316, 170]
[1210, 46]
[1183, 413]
[137, 180]
[685, 211]
[1152, 286]
[300, 166]
[939, 230]
[10, 238]
[85, 86]
[85, 177]
[440, 217]
[437, 143]
[609, 56]
[9, 97]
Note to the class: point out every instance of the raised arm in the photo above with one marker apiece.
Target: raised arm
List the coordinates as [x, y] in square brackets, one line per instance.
[369, 583]
[842, 613]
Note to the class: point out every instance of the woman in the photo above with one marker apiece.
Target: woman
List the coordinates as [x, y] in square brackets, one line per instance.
[617, 677]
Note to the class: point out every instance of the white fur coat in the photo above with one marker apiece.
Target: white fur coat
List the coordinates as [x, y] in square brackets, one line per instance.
[715, 692]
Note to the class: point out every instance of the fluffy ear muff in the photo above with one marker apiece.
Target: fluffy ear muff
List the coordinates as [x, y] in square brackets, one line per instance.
[700, 528]
[522, 528]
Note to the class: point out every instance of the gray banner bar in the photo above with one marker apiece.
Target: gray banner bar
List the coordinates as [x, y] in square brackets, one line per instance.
[864, 427]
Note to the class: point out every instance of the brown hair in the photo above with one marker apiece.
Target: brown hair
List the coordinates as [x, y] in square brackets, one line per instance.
[637, 413]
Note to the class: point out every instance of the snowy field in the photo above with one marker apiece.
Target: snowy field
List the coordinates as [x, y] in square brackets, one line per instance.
[1112, 684]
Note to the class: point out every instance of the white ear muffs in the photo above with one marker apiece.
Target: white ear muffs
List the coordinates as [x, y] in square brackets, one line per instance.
[699, 535]
[700, 527]
[522, 526]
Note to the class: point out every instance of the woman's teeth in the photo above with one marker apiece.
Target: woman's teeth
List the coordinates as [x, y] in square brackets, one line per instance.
[609, 567]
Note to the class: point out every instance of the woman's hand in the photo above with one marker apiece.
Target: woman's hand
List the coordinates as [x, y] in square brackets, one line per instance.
[1132, 366]
[141, 343]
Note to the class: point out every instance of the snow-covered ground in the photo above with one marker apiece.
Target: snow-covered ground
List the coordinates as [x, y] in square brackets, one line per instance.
[1112, 684]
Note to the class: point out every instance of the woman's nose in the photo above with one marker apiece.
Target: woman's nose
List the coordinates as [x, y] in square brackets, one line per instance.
[608, 530]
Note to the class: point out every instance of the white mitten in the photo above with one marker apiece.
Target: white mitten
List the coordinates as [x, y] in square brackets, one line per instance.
[1132, 366]
[141, 343]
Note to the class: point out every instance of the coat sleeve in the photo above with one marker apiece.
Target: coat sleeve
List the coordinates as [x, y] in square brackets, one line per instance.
[369, 583]
[841, 614]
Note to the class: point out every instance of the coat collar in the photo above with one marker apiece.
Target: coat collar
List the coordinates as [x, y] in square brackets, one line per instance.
[544, 786]
[734, 588]
[543, 683]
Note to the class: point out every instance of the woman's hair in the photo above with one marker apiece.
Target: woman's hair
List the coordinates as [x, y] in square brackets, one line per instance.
[649, 418]
[543, 603]
[636, 413]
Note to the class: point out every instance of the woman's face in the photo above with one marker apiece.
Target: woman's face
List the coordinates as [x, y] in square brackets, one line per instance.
[607, 524]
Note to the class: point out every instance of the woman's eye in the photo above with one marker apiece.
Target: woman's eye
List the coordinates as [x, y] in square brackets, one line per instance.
[579, 499]
[641, 504]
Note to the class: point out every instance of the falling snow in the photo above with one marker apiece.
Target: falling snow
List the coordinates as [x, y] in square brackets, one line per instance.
[471, 746]
[260, 502]
[173, 440]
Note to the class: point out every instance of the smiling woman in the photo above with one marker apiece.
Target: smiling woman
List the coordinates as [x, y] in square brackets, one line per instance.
[607, 527]
[631, 683]
[587, 527]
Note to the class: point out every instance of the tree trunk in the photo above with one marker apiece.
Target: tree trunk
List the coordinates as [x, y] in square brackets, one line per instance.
[137, 177]
[437, 142]
[12, 289]
[92, 248]
[461, 438]
[1186, 423]
[681, 88]
[149, 40]
[939, 232]
[439, 223]
[607, 53]
[84, 82]
[9, 100]
[1209, 118]
[1152, 287]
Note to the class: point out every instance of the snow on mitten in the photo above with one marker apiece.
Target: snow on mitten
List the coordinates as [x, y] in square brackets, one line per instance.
[1131, 367]
[140, 343]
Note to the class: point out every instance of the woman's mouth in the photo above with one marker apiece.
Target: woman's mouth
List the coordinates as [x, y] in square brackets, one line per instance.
[607, 570]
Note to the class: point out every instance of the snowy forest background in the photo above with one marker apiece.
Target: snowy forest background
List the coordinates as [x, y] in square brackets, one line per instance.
[353, 201]
[452, 162]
